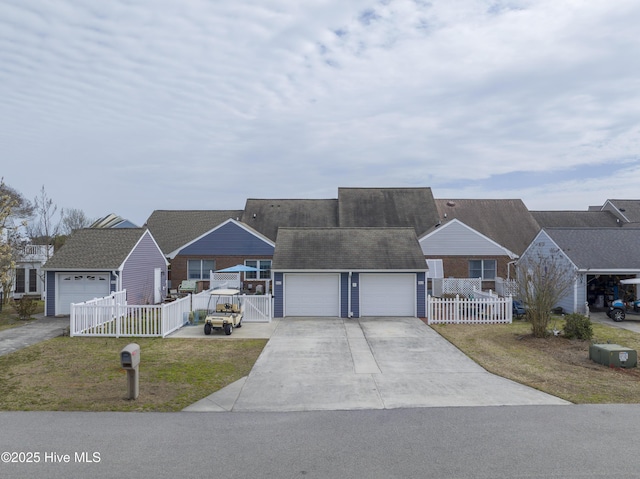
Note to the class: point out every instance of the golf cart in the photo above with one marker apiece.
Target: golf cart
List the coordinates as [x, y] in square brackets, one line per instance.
[224, 311]
[618, 309]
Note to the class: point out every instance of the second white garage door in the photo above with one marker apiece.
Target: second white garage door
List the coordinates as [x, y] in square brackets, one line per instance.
[76, 288]
[312, 294]
[387, 294]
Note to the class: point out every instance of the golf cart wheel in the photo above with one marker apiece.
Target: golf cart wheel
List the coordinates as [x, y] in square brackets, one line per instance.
[228, 329]
[617, 315]
[207, 329]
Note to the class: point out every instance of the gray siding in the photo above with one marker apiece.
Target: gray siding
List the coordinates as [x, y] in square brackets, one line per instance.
[138, 271]
[455, 239]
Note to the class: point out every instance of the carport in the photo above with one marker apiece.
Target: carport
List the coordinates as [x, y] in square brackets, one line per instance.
[348, 272]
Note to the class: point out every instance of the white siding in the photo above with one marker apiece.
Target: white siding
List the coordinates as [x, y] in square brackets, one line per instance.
[457, 239]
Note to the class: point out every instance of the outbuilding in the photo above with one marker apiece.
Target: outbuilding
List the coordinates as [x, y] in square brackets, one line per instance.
[348, 272]
[94, 262]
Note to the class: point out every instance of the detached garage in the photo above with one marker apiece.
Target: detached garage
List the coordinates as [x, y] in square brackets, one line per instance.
[94, 262]
[348, 272]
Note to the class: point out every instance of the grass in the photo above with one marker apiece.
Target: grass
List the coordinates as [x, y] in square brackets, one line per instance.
[9, 318]
[555, 365]
[174, 373]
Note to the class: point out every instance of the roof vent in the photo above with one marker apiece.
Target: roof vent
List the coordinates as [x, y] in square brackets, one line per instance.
[451, 203]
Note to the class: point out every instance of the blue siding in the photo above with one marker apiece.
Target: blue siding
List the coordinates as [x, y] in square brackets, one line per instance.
[420, 295]
[138, 271]
[355, 294]
[278, 297]
[229, 240]
[50, 287]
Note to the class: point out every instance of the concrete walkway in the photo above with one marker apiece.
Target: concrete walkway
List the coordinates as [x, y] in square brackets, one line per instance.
[367, 363]
[33, 331]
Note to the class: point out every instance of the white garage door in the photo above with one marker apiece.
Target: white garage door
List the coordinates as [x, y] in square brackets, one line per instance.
[77, 288]
[312, 294]
[387, 294]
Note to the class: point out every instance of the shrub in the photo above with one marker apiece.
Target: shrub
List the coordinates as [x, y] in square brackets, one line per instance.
[25, 307]
[577, 326]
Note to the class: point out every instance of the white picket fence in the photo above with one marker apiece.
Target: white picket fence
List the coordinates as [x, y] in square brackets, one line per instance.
[111, 316]
[477, 310]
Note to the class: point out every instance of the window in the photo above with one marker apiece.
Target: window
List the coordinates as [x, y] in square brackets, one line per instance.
[264, 265]
[20, 280]
[33, 280]
[482, 268]
[199, 268]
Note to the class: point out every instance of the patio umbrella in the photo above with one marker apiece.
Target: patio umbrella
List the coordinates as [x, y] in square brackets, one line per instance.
[239, 268]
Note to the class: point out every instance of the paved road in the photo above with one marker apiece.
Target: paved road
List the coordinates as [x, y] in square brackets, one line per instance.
[33, 332]
[568, 442]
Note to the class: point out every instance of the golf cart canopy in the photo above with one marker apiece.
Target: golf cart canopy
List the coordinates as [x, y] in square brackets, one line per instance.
[225, 292]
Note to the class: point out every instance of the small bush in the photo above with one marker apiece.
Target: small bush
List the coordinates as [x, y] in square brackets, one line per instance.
[24, 307]
[577, 326]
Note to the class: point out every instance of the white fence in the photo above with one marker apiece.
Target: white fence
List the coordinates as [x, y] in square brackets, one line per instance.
[458, 310]
[506, 287]
[111, 316]
[224, 280]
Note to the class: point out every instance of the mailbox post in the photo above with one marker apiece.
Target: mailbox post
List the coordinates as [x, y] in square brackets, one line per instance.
[130, 360]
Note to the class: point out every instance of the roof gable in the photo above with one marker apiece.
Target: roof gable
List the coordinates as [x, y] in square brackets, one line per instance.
[267, 215]
[508, 222]
[173, 229]
[627, 210]
[345, 249]
[455, 238]
[96, 249]
[231, 238]
[387, 208]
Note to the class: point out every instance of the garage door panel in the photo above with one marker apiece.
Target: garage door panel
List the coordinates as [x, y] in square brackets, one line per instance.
[77, 288]
[387, 294]
[312, 294]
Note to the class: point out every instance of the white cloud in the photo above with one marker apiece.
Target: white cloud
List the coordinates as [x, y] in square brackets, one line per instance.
[129, 106]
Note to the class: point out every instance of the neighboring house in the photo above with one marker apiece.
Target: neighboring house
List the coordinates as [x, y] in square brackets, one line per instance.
[575, 219]
[348, 272]
[599, 257]
[479, 238]
[113, 221]
[627, 211]
[95, 262]
[29, 277]
[198, 242]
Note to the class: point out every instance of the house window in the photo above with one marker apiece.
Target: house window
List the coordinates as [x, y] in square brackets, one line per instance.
[482, 268]
[33, 280]
[264, 265]
[20, 280]
[199, 268]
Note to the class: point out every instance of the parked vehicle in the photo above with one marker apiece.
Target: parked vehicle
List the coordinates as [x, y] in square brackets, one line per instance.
[224, 311]
[518, 308]
[618, 309]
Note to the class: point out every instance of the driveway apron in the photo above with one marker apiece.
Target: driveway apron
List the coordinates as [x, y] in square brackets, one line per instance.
[367, 363]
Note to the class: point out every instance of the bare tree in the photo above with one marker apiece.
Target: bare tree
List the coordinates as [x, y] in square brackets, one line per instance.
[47, 224]
[74, 219]
[543, 280]
[13, 206]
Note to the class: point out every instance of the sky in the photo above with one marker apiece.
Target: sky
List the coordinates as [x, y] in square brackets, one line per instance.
[131, 106]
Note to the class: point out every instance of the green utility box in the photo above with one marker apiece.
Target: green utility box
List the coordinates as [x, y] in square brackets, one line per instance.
[613, 355]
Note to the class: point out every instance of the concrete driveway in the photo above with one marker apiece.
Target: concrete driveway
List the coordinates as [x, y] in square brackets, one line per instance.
[367, 363]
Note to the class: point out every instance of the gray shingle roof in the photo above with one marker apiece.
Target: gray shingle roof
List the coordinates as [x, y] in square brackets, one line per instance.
[629, 209]
[508, 222]
[267, 215]
[175, 228]
[599, 248]
[348, 249]
[575, 219]
[96, 249]
[387, 208]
